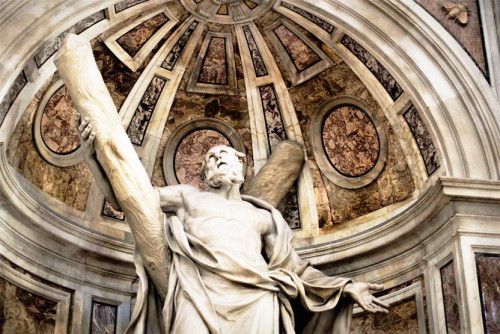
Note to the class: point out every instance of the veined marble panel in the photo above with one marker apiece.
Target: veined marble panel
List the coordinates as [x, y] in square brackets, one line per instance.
[48, 50]
[450, 298]
[103, 318]
[470, 36]
[401, 319]
[191, 152]
[423, 139]
[140, 121]
[24, 312]
[214, 71]
[12, 94]
[126, 4]
[214, 67]
[135, 39]
[178, 48]
[57, 126]
[350, 141]
[289, 206]
[488, 272]
[272, 116]
[258, 62]
[377, 69]
[311, 17]
[301, 54]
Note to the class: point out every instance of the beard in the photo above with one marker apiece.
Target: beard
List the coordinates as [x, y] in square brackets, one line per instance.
[219, 177]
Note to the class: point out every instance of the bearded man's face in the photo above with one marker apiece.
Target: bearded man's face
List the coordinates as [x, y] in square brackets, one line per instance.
[223, 165]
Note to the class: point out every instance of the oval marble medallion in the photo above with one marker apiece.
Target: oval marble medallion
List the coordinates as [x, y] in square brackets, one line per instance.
[57, 126]
[190, 153]
[350, 141]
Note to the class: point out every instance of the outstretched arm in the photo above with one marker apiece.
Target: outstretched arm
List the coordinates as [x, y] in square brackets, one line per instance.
[358, 291]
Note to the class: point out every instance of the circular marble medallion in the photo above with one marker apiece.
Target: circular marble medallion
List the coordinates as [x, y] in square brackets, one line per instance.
[350, 140]
[57, 126]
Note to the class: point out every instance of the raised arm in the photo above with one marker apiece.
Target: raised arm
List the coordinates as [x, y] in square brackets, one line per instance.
[87, 137]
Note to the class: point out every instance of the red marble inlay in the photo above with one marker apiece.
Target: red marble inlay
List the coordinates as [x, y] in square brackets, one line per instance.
[58, 123]
[190, 153]
[350, 141]
[214, 69]
[134, 40]
[302, 55]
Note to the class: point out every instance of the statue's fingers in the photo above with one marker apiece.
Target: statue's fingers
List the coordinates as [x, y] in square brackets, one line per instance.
[370, 308]
[90, 141]
[381, 303]
[83, 124]
[86, 132]
[376, 287]
[378, 308]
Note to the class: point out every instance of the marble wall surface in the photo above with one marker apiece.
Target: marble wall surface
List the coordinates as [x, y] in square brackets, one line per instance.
[377, 69]
[488, 272]
[12, 94]
[69, 185]
[214, 68]
[57, 125]
[258, 62]
[470, 36]
[450, 298]
[103, 318]
[24, 312]
[133, 40]
[335, 204]
[350, 141]
[402, 318]
[424, 140]
[51, 48]
[311, 17]
[191, 152]
[176, 51]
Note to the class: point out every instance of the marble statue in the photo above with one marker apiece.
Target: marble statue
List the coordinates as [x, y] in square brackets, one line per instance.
[224, 262]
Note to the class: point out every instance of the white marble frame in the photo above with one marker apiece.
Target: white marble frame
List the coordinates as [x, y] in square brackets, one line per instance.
[133, 63]
[316, 127]
[409, 292]
[205, 88]
[62, 298]
[197, 124]
[59, 160]
[471, 241]
[308, 73]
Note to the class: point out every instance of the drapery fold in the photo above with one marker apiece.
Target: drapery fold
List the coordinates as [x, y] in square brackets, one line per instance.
[290, 288]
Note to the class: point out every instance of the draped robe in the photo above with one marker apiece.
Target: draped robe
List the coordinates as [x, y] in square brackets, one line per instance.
[211, 290]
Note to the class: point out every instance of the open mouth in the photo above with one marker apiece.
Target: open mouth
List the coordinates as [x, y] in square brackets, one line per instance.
[220, 163]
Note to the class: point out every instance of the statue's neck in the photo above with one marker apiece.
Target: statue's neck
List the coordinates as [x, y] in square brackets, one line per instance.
[229, 191]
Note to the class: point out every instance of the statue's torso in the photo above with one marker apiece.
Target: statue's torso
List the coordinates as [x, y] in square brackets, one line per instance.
[233, 225]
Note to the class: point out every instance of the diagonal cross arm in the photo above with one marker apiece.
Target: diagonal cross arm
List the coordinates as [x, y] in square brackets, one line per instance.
[115, 153]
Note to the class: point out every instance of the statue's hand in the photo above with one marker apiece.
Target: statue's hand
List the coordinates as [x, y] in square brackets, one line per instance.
[360, 293]
[87, 137]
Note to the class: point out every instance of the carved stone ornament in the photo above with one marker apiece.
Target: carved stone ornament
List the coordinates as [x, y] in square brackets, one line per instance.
[456, 12]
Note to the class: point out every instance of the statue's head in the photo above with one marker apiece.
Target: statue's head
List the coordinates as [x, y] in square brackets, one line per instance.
[222, 164]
